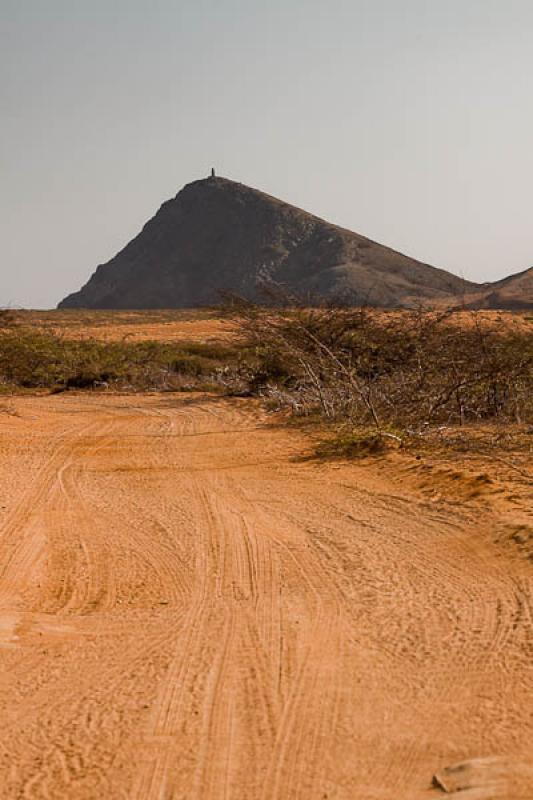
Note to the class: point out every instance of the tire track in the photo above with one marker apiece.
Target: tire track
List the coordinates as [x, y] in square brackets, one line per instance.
[191, 614]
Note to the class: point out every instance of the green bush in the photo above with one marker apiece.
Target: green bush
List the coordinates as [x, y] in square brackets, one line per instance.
[31, 359]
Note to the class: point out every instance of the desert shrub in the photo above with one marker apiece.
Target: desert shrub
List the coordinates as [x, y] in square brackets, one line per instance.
[209, 350]
[187, 365]
[33, 359]
[406, 368]
[356, 443]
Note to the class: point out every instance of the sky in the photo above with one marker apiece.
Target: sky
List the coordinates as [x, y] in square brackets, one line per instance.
[408, 121]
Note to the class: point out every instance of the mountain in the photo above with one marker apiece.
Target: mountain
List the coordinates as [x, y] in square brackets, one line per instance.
[216, 234]
[512, 293]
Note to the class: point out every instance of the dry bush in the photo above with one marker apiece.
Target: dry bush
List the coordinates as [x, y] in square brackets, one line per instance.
[391, 370]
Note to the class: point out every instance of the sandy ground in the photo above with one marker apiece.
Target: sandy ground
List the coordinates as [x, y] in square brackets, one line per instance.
[199, 325]
[190, 610]
[192, 325]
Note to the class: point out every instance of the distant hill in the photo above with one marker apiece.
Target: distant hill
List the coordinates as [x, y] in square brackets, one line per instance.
[512, 293]
[217, 234]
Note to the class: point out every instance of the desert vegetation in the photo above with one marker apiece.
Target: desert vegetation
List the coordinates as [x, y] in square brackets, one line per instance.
[33, 359]
[393, 374]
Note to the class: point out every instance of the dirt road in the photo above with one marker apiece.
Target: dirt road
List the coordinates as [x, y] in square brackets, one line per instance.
[190, 611]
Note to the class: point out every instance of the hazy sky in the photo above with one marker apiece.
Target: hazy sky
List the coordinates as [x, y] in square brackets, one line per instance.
[410, 121]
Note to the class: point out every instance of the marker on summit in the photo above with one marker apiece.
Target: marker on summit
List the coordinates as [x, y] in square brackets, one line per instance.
[212, 172]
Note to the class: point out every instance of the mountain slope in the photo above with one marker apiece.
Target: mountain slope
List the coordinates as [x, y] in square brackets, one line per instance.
[220, 235]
